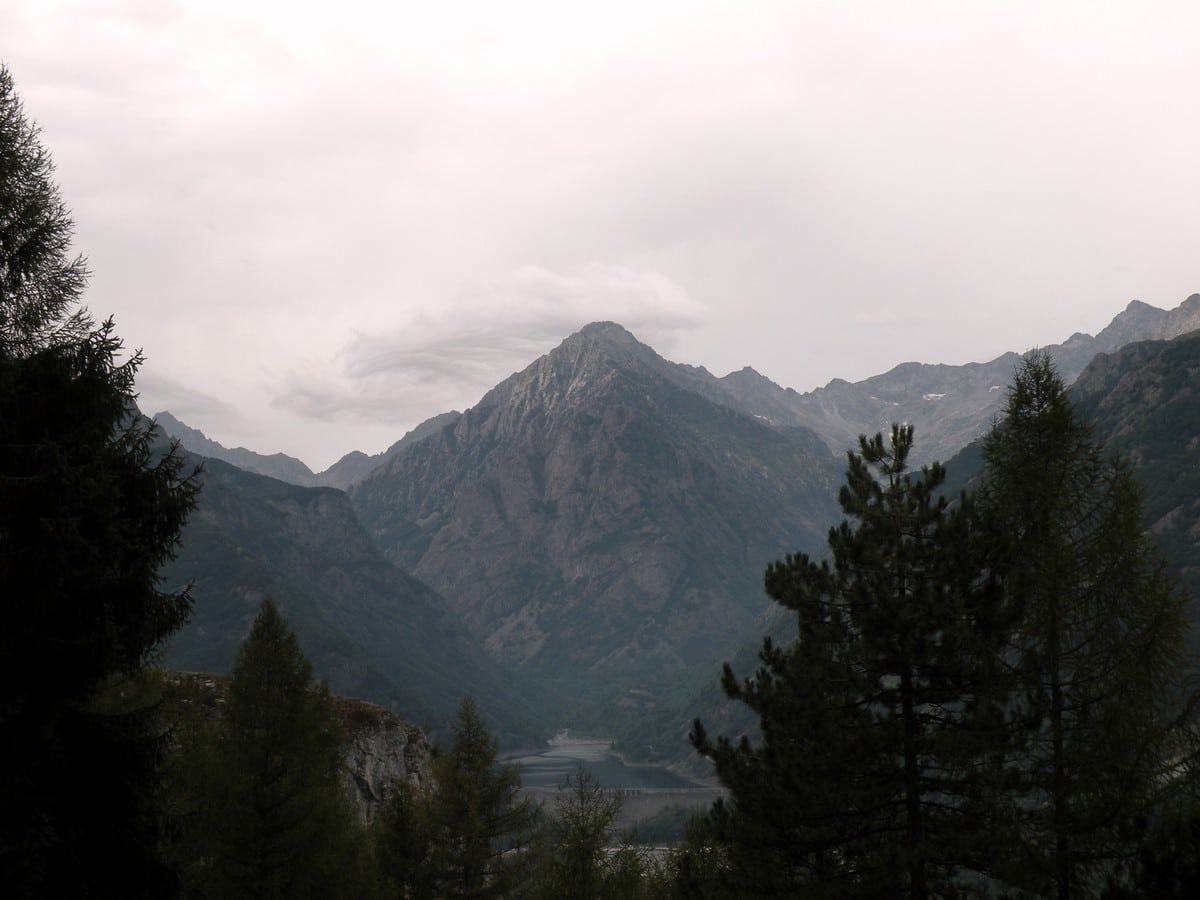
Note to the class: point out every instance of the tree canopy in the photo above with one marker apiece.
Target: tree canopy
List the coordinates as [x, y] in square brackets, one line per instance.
[1098, 650]
[470, 835]
[984, 695]
[862, 784]
[275, 817]
[90, 508]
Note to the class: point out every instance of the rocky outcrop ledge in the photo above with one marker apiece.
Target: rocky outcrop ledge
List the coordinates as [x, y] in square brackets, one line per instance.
[381, 748]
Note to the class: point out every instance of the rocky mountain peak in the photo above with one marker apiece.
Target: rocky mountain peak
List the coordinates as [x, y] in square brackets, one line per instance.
[583, 363]
[1138, 321]
[609, 342]
[592, 512]
[606, 331]
[747, 375]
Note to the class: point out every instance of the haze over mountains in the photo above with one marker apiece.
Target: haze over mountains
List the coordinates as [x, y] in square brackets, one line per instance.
[586, 545]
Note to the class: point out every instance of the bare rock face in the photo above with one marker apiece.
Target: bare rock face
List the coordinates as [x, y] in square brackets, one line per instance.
[602, 519]
[383, 750]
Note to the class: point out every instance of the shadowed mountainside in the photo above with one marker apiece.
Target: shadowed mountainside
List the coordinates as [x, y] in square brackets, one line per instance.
[1145, 402]
[371, 630]
[596, 522]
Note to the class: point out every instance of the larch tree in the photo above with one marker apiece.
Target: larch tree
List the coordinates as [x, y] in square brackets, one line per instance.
[480, 825]
[582, 852]
[873, 721]
[278, 820]
[404, 834]
[90, 508]
[1098, 650]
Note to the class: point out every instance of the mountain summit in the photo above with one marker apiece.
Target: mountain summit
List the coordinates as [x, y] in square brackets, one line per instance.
[597, 519]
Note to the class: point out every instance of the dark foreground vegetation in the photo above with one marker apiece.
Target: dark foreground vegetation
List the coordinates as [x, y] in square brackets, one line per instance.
[986, 695]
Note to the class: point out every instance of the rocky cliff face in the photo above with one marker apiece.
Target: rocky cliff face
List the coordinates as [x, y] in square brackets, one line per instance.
[383, 749]
[598, 523]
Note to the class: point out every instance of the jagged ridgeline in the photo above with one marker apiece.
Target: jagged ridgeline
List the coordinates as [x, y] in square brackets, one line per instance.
[598, 523]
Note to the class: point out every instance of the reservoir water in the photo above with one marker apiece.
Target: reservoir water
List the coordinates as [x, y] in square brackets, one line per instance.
[551, 768]
[646, 791]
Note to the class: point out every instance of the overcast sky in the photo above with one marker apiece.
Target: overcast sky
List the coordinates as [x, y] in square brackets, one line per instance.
[326, 222]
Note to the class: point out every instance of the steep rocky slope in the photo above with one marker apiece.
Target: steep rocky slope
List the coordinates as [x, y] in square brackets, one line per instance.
[371, 630]
[597, 523]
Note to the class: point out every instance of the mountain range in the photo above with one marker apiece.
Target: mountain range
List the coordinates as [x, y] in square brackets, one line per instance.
[584, 546]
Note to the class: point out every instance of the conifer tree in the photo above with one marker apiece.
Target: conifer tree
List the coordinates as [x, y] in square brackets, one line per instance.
[581, 852]
[90, 508]
[279, 822]
[404, 840]
[1098, 650]
[481, 826]
[873, 721]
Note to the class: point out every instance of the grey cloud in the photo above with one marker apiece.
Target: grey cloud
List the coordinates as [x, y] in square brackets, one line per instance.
[268, 194]
[492, 328]
[157, 392]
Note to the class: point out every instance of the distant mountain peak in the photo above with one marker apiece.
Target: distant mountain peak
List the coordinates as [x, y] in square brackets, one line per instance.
[606, 337]
[274, 465]
[578, 512]
[1136, 306]
[606, 330]
[587, 360]
[350, 468]
[747, 379]
[747, 372]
